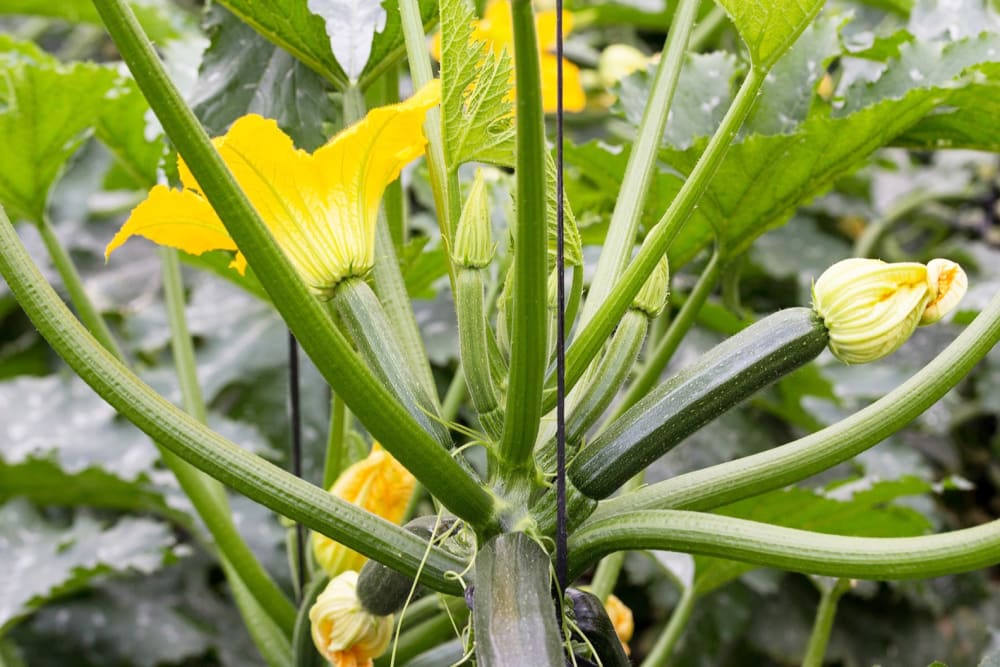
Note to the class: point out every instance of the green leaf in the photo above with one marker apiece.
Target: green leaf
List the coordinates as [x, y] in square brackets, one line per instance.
[292, 26]
[862, 507]
[161, 19]
[704, 92]
[44, 561]
[123, 127]
[770, 27]
[243, 73]
[477, 116]
[788, 92]
[46, 111]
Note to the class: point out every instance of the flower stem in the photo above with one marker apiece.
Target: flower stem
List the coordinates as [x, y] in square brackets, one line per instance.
[823, 625]
[529, 308]
[667, 641]
[472, 329]
[74, 287]
[590, 339]
[335, 461]
[445, 188]
[386, 419]
[617, 249]
[180, 336]
[787, 548]
[190, 440]
[752, 475]
[667, 345]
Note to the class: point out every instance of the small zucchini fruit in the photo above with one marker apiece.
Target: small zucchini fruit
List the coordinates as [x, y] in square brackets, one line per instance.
[381, 589]
[720, 379]
[592, 619]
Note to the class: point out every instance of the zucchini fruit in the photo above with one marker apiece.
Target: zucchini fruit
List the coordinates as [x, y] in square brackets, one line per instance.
[381, 589]
[513, 613]
[720, 379]
[592, 619]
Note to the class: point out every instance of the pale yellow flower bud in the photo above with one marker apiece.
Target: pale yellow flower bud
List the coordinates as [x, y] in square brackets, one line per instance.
[379, 484]
[870, 308]
[343, 632]
[948, 285]
[617, 61]
[621, 620]
[653, 296]
[474, 237]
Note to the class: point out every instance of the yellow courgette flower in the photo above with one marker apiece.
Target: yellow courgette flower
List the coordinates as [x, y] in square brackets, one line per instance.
[496, 31]
[378, 483]
[321, 208]
[621, 619]
[871, 308]
[343, 632]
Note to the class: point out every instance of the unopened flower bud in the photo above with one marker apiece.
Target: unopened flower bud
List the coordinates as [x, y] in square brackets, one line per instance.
[474, 236]
[870, 308]
[652, 298]
[617, 61]
[343, 632]
[380, 484]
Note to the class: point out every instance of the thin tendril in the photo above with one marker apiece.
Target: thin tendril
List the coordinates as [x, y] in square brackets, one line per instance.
[562, 559]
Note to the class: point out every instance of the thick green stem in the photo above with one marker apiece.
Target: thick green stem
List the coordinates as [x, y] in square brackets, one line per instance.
[823, 625]
[74, 287]
[787, 548]
[190, 440]
[667, 345]
[388, 279]
[753, 475]
[270, 639]
[445, 188]
[180, 337]
[367, 325]
[589, 341]
[523, 409]
[336, 460]
[606, 575]
[386, 419]
[659, 655]
[617, 249]
[473, 342]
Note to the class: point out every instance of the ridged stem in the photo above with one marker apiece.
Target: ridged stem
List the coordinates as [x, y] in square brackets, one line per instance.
[788, 548]
[385, 418]
[617, 248]
[473, 343]
[666, 346]
[190, 440]
[529, 308]
[823, 624]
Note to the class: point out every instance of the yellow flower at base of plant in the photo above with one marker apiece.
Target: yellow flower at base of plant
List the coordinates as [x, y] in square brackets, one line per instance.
[379, 484]
[870, 308]
[343, 632]
[496, 31]
[321, 208]
[621, 620]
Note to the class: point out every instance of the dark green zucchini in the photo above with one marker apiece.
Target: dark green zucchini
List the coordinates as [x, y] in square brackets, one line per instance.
[722, 378]
[592, 619]
[381, 589]
[513, 613]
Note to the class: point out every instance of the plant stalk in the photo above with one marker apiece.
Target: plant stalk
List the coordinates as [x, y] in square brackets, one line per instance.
[823, 625]
[665, 644]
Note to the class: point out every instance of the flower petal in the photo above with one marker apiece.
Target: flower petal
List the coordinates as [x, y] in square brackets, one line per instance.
[574, 97]
[177, 219]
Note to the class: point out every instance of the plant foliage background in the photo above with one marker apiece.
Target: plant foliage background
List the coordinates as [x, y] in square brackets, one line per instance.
[885, 116]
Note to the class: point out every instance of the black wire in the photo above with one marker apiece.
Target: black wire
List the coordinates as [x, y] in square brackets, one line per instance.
[562, 559]
[295, 419]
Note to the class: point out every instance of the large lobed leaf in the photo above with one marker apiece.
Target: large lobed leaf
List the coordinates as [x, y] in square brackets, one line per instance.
[477, 114]
[44, 561]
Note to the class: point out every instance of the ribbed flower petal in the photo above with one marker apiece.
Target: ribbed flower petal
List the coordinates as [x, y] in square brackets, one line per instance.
[378, 484]
[321, 209]
[343, 632]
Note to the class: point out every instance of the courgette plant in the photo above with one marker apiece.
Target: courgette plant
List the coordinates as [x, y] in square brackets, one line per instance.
[309, 227]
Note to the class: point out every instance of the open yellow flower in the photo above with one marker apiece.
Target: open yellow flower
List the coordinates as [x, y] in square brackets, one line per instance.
[343, 632]
[380, 484]
[320, 208]
[621, 619]
[496, 30]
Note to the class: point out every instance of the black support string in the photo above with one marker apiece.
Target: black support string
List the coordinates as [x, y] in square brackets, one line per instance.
[561, 528]
[295, 419]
